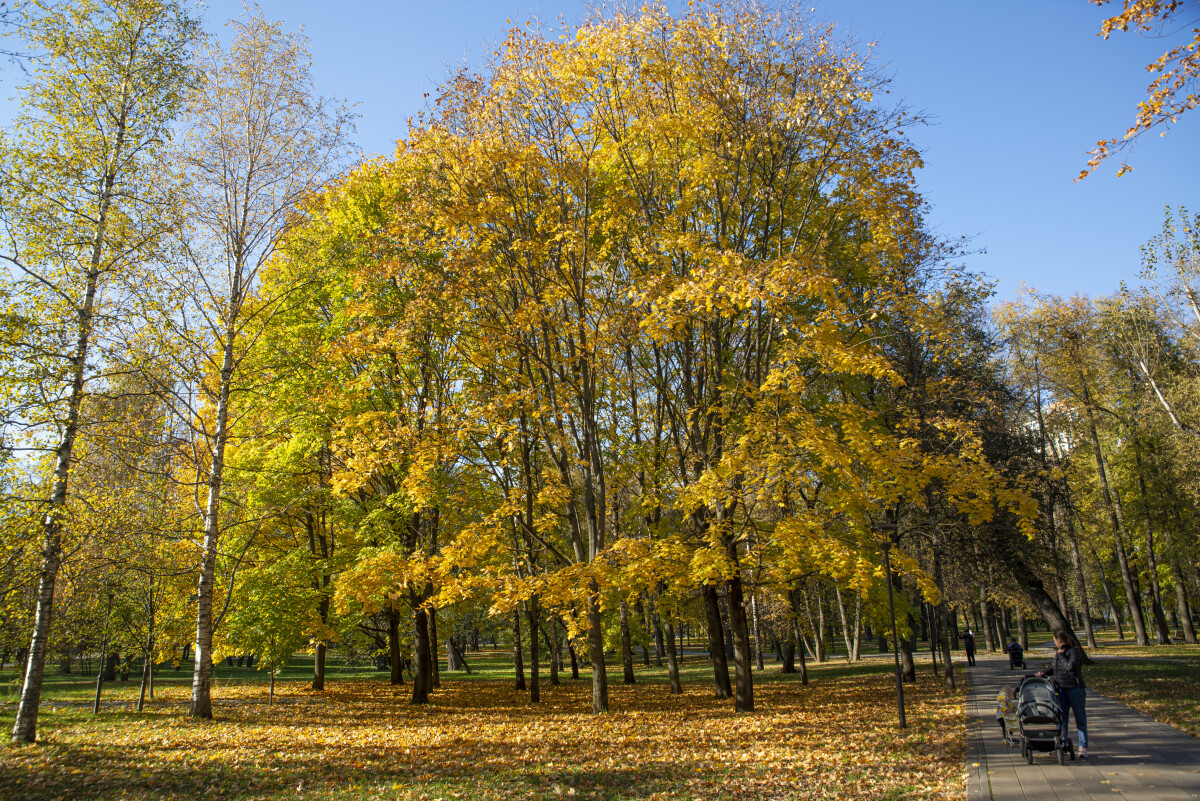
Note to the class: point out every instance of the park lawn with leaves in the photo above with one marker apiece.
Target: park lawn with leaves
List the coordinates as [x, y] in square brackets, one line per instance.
[1161, 681]
[835, 738]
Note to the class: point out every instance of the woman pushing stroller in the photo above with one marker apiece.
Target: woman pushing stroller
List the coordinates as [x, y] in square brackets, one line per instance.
[1067, 676]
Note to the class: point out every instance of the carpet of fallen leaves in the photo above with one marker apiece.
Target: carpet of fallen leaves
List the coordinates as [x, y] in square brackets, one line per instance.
[834, 739]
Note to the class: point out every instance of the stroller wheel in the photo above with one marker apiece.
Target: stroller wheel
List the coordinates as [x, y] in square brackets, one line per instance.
[1062, 755]
[1027, 753]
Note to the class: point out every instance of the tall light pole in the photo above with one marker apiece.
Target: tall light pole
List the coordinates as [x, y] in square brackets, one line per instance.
[892, 530]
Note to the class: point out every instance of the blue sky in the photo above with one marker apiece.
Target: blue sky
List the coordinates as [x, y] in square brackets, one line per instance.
[1016, 92]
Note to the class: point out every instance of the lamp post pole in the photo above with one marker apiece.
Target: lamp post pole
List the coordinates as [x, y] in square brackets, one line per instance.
[891, 529]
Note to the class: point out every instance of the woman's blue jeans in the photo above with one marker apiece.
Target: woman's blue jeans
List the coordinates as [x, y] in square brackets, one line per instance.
[1072, 700]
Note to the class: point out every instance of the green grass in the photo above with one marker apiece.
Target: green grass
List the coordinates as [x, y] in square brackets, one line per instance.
[489, 664]
[75, 687]
[1160, 681]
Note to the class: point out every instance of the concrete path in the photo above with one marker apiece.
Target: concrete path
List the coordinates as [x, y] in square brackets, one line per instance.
[1129, 755]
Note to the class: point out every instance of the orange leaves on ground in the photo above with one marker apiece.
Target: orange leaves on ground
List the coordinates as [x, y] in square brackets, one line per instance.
[361, 739]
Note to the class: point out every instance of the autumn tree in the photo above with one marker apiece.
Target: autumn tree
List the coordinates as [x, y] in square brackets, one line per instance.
[258, 140]
[83, 209]
[1080, 369]
[667, 232]
[1175, 86]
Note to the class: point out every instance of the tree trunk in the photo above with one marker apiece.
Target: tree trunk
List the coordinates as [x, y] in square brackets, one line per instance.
[394, 663]
[146, 670]
[908, 667]
[596, 651]
[1080, 582]
[672, 659]
[985, 613]
[518, 652]
[555, 652]
[660, 650]
[1003, 632]
[460, 656]
[100, 676]
[647, 629]
[931, 626]
[1181, 601]
[535, 687]
[1108, 596]
[744, 677]
[434, 662]
[1035, 591]
[318, 679]
[1156, 604]
[25, 723]
[846, 638]
[422, 658]
[201, 707]
[758, 657]
[943, 625]
[716, 642]
[856, 653]
[799, 639]
[818, 627]
[1117, 521]
[626, 644]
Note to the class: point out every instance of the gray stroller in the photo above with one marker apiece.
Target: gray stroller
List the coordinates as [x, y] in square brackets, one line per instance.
[1041, 719]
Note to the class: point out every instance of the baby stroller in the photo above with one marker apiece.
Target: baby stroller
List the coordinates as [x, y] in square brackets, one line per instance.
[1006, 714]
[1040, 720]
[1016, 657]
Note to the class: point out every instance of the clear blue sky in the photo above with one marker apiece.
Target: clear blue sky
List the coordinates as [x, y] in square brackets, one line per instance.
[1017, 92]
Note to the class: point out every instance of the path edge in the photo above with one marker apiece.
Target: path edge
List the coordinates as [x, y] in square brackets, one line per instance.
[979, 784]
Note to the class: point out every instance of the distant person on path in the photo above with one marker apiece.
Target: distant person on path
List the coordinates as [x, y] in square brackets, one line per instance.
[969, 644]
[1067, 676]
[1016, 654]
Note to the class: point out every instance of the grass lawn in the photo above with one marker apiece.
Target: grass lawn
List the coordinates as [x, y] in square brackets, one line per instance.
[1162, 681]
[481, 739]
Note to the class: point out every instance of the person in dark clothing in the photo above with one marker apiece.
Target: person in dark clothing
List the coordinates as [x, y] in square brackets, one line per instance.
[969, 644]
[1016, 654]
[1067, 676]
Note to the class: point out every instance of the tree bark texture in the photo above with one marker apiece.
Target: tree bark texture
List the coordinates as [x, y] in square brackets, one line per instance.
[626, 644]
[518, 652]
[535, 689]
[742, 652]
[672, 660]
[422, 656]
[716, 642]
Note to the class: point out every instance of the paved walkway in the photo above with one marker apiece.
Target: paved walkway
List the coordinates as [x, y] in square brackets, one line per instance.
[1129, 755]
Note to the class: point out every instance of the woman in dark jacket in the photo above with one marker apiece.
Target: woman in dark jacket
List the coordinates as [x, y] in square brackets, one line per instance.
[1067, 676]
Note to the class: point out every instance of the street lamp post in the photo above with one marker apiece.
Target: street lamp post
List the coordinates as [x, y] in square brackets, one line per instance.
[891, 529]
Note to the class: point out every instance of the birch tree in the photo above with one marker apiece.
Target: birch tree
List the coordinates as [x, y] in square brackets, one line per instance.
[82, 209]
[259, 141]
